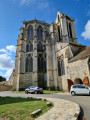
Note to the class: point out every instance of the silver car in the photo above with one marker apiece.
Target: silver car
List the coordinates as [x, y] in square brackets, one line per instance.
[80, 89]
[34, 89]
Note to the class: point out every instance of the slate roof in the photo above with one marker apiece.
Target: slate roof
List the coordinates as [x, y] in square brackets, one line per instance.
[82, 54]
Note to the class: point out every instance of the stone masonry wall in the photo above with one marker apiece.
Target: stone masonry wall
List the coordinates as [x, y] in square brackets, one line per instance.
[79, 69]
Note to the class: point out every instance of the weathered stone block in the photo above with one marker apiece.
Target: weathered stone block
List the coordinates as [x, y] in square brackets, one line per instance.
[36, 112]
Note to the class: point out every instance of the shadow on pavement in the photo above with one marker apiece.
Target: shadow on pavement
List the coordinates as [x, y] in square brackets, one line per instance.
[81, 116]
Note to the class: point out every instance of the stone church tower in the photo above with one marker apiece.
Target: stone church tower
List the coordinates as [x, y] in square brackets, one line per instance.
[42, 54]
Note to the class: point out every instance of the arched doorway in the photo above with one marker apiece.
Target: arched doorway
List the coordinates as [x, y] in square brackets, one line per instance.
[86, 81]
[78, 81]
[70, 83]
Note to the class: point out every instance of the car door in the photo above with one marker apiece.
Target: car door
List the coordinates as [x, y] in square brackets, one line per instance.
[84, 90]
[78, 89]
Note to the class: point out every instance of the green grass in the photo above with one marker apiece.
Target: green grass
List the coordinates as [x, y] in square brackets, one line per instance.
[50, 91]
[44, 91]
[20, 108]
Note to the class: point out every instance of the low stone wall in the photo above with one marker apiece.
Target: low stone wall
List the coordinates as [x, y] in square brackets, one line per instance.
[6, 87]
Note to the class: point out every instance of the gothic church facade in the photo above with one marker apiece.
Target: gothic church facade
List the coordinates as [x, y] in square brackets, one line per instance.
[48, 55]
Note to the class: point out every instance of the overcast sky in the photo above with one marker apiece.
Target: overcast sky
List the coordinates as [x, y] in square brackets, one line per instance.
[13, 12]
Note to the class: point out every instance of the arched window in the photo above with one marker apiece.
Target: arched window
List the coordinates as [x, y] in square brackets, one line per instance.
[39, 33]
[70, 31]
[61, 69]
[89, 64]
[40, 63]
[29, 63]
[29, 47]
[44, 64]
[46, 35]
[30, 33]
[59, 34]
[39, 47]
[58, 18]
[67, 28]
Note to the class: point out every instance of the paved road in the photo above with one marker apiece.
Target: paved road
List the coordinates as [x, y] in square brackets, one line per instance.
[83, 101]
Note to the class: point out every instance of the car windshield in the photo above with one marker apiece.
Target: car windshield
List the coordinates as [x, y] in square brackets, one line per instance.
[75, 86]
[32, 87]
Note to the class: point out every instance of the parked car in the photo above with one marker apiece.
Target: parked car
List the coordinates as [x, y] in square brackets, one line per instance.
[34, 89]
[80, 89]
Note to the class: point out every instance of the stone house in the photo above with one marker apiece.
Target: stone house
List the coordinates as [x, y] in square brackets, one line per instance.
[48, 55]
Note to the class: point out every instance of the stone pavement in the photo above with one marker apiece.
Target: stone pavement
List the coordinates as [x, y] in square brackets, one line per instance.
[62, 110]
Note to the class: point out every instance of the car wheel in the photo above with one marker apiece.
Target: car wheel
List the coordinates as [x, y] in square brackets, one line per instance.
[26, 92]
[36, 92]
[73, 93]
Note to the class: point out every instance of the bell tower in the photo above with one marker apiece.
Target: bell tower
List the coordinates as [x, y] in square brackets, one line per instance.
[65, 28]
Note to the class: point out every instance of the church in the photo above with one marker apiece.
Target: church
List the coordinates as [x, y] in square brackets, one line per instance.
[49, 56]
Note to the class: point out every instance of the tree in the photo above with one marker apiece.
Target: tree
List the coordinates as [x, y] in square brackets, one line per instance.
[2, 79]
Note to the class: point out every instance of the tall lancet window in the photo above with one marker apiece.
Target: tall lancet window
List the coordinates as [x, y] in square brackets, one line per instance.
[58, 18]
[44, 64]
[61, 69]
[70, 30]
[46, 34]
[39, 33]
[30, 33]
[89, 64]
[29, 47]
[29, 63]
[59, 33]
[40, 63]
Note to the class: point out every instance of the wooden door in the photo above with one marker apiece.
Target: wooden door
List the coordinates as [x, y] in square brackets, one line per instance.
[70, 83]
[85, 81]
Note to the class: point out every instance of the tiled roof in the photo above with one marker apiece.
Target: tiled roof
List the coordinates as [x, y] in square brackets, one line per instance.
[82, 54]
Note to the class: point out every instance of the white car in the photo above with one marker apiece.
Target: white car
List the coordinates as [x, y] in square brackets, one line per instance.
[80, 89]
[34, 89]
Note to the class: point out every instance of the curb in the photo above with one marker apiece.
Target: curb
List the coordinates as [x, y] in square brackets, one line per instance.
[70, 111]
[62, 109]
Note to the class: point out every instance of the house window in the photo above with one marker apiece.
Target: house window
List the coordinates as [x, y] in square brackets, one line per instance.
[61, 69]
[30, 32]
[39, 33]
[29, 63]
[29, 47]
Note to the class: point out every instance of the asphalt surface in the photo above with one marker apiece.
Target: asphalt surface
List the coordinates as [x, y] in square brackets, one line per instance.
[83, 101]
